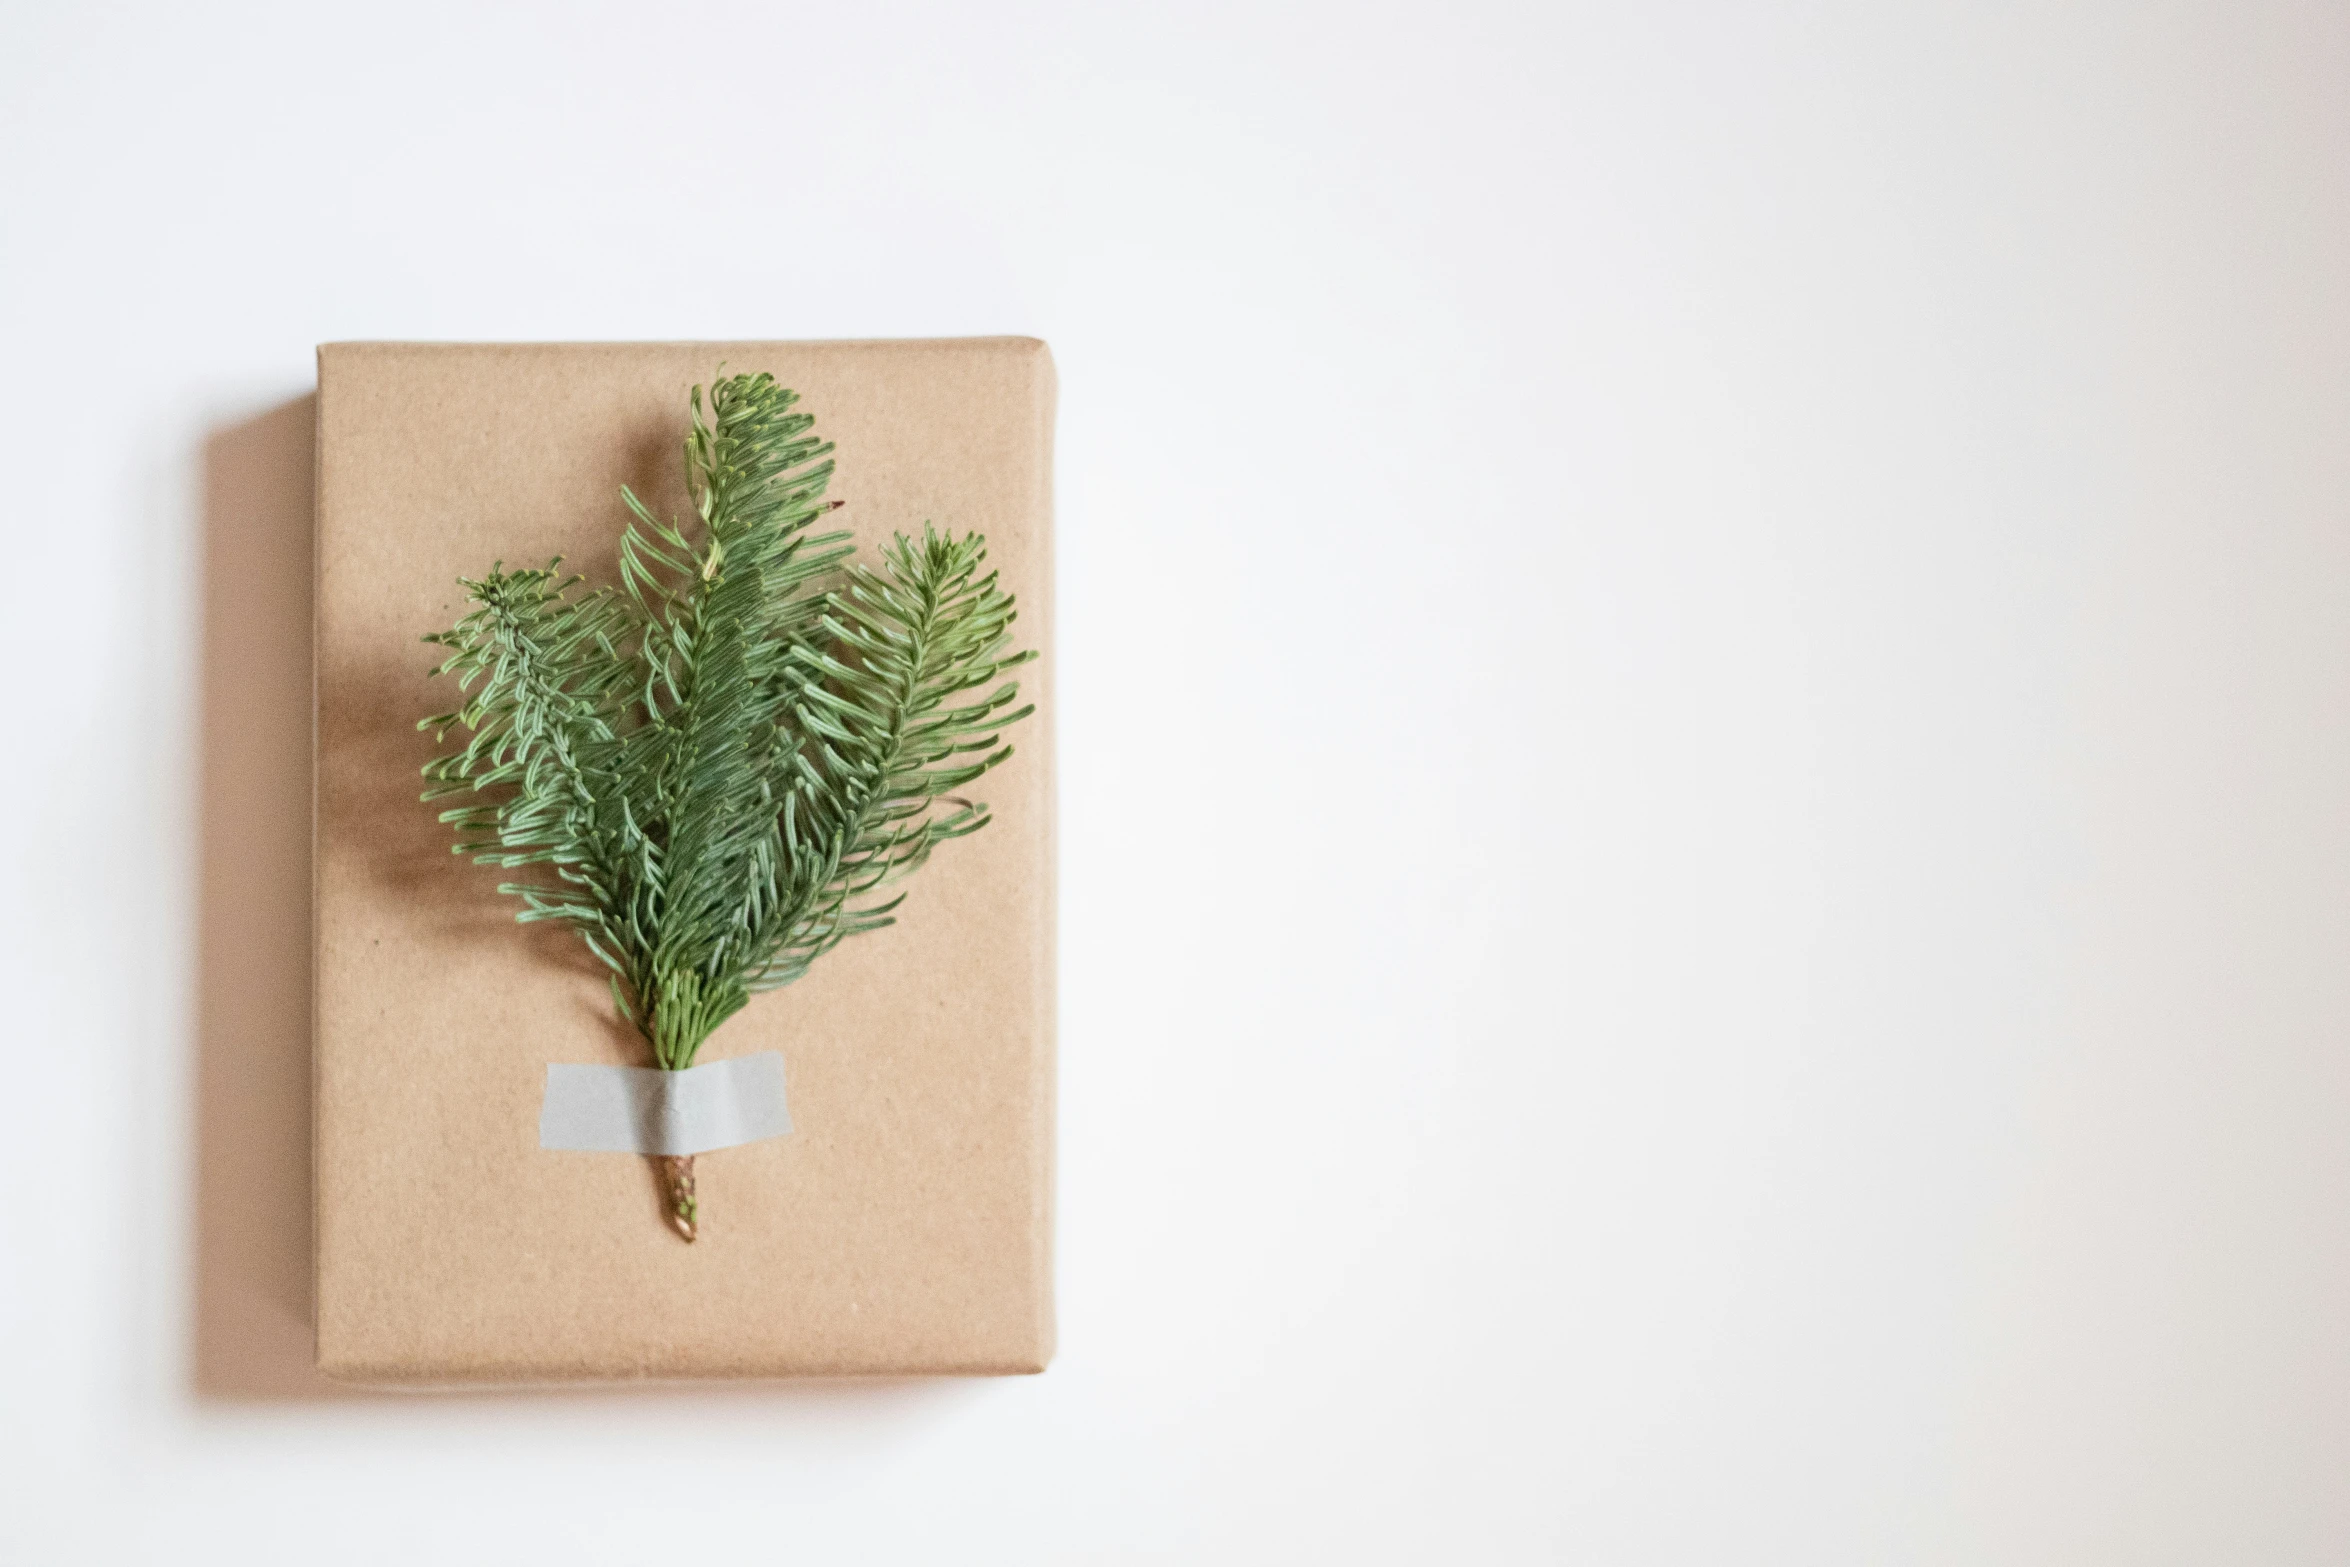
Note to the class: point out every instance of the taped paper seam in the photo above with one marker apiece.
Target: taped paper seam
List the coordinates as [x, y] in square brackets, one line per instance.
[636, 1109]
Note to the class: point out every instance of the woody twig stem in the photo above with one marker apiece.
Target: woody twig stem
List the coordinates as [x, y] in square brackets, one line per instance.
[677, 1191]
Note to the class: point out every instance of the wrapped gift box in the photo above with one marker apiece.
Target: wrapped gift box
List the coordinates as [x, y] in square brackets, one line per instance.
[905, 1224]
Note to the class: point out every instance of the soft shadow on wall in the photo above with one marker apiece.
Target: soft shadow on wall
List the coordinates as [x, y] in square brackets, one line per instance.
[252, 1069]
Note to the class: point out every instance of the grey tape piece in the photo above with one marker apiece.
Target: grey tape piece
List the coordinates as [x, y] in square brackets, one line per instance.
[635, 1109]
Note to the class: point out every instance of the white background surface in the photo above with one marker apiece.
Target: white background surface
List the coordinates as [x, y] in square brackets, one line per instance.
[1707, 800]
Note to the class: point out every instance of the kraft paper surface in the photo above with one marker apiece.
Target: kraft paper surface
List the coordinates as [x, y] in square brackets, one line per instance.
[905, 1224]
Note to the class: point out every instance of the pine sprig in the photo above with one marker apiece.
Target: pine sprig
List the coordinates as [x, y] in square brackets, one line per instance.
[881, 738]
[713, 770]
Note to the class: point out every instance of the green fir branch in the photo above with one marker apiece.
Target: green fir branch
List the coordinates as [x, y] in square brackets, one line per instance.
[713, 770]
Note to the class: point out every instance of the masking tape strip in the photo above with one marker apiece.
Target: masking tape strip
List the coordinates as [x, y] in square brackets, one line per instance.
[635, 1109]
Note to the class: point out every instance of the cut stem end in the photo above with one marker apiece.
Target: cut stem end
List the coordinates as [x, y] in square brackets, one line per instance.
[677, 1191]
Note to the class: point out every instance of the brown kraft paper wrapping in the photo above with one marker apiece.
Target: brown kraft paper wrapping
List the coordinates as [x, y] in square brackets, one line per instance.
[905, 1225]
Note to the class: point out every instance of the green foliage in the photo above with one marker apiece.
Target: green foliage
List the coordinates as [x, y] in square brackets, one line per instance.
[711, 770]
